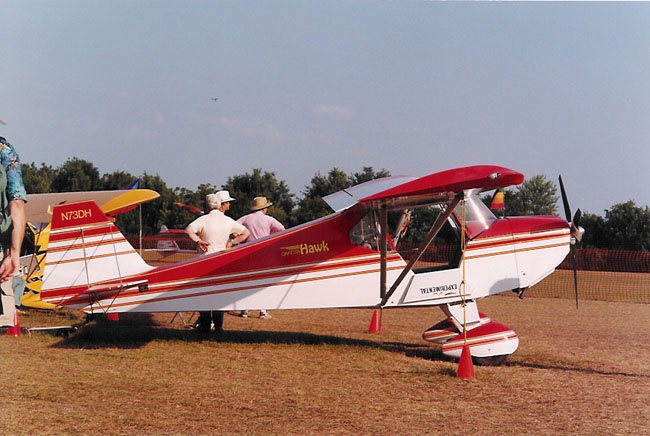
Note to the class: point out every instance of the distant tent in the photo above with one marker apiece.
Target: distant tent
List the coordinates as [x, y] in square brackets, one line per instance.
[133, 185]
[497, 202]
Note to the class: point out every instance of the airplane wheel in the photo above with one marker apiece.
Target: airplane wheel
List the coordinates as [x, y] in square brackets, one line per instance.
[490, 360]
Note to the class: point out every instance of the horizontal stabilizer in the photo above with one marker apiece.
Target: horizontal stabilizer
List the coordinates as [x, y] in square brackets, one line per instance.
[101, 292]
[38, 208]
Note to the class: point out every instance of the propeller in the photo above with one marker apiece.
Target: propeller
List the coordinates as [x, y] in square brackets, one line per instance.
[576, 234]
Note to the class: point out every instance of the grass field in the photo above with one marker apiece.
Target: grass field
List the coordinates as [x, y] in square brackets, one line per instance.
[318, 372]
[596, 285]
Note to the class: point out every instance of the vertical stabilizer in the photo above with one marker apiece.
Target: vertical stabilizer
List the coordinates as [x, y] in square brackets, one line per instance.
[85, 248]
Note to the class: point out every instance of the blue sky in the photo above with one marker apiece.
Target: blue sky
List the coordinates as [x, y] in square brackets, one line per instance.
[304, 86]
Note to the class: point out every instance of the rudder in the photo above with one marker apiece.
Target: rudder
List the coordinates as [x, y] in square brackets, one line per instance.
[85, 248]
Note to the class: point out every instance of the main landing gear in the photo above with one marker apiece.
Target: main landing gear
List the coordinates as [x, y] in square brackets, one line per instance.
[490, 343]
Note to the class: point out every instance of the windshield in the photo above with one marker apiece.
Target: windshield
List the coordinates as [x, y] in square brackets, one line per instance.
[477, 215]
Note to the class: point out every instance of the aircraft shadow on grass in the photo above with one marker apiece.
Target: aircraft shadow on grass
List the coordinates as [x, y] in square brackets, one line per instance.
[135, 332]
[535, 365]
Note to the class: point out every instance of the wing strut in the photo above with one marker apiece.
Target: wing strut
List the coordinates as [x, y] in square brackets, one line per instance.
[383, 241]
[435, 228]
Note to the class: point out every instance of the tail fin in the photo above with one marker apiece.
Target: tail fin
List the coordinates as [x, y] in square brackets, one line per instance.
[85, 248]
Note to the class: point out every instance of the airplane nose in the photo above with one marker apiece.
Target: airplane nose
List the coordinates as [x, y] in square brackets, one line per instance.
[577, 232]
[576, 235]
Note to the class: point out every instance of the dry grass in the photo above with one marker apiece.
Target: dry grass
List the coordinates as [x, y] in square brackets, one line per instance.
[319, 372]
[596, 285]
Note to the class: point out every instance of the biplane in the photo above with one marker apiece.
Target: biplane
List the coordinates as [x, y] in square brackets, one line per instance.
[349, 259]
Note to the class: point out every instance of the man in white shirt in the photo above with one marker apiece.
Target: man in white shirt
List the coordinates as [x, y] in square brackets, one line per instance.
[212, 230]
[212, 233]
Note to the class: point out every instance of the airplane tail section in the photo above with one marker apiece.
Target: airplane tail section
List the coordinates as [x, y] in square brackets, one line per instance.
[85, 249]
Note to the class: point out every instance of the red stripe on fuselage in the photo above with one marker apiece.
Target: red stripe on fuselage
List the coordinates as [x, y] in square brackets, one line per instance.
[517, 239]
[195, 283]
[180, 282]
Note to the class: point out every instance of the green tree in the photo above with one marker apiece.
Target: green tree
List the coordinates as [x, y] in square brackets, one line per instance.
[37, 180]
[76, 175]
[155, 213]
[367, 174]
[116, 180]
[596, 235]
[195, 199]
[628, 226]
[312, 206]
[536, 196]
[245, 187]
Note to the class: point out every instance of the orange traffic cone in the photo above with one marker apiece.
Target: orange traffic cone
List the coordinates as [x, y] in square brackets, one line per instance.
[465, 365]
[15, 330]
[113, 316]
[375, 322]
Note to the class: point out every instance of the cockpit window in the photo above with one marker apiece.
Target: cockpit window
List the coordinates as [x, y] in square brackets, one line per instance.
[366, 231]
[478, 216]
[408, 229]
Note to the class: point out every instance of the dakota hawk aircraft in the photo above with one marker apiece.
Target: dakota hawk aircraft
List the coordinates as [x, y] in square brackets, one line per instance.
[349, 259]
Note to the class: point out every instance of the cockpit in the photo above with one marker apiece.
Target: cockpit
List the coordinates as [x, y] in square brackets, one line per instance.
[408, 228]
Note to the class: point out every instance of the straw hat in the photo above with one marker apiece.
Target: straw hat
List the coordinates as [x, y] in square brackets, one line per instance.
[260, 203]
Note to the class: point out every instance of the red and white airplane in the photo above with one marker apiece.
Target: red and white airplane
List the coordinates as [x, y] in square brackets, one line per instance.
[348, 259]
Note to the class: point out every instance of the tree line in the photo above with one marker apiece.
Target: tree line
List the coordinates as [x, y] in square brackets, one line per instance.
[624, 225]
[80, 175]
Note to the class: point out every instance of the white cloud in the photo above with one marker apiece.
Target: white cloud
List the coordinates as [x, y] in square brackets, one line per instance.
[247, 128]
[332, 111]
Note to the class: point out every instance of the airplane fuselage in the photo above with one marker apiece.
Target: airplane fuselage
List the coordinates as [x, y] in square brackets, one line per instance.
[318, 266]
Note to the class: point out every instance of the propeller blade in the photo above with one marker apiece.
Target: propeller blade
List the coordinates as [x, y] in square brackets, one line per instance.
[565, 200]
[577, 217]
[575, 273]
[575, 232]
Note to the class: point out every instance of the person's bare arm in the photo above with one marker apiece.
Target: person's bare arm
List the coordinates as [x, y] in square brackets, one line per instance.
[241, 237]
[11, 263]
[203, 246]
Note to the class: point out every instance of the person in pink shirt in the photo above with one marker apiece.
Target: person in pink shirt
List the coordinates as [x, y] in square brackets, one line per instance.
[259, 224]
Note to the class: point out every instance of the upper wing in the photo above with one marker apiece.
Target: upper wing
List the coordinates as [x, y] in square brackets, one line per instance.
[351, 196]
[405, 191]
